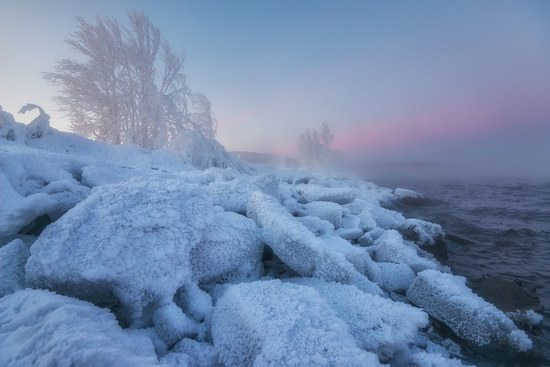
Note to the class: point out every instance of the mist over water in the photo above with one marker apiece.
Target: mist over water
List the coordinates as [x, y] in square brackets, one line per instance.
[496, 227]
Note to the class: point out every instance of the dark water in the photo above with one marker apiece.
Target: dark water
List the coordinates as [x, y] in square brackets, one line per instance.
[497, 228]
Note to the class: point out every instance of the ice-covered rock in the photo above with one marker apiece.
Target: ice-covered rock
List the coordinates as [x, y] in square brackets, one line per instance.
[336, 195]
[231, 245]
[41, 328]
[190, 352]
[273, 323]
[326, 210]
[232, 195]
[395, 277]
[66, 193]
[269, 184]
[385, 218]
[350, 234]
[447, 298]
[298, 247]
[390, 247]
[171, 324]
[359, 257]
[526, 318]
[366, 221]
[421, 232]
[127, 243]
[365, 239]
[16, 210]
[424, 359]
[379, 325]
[316, 225]
[13, 257]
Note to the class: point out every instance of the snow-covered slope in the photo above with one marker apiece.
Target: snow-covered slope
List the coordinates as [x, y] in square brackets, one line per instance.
[154, 262]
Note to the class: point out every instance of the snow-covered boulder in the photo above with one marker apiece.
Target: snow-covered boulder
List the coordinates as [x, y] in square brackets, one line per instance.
[280, 324]
[390, 247]
[66, 193]
[232, 195]
[395, 277]
[269, 184]
[421, 232]
[16, 210]
[359, 257]
[424, 359]
[41, 328]
[298, 247]
[231, 245]
[171, 324]
[447, 298]
[349, 234]
[127, 243]
[326, 210]
[385, 218]
[13, 257]
[338, 195]
[379, 325]
[366, 221]
[316, 225]
[190, 352]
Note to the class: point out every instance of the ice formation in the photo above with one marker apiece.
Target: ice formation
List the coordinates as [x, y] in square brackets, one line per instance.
[41, 328]
[276, 324]
[298, 247]
[128, 243]
[447, 298]
[378, 325]
[13, 257]
[311, 193]
[220, 266]
[231, 246]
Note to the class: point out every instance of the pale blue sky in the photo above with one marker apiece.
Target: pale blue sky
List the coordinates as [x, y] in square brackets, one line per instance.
[397, 80]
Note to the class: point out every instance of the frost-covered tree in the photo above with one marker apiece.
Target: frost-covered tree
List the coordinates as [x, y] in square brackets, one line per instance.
[314, 146]
[327, 137]
[128, 85]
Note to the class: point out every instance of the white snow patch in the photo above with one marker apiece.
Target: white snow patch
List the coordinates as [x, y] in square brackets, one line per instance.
[274, 323]
[447, 298]
[13, 257]
[41, 328]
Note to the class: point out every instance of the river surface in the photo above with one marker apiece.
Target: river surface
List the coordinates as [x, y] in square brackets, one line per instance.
[495, 228]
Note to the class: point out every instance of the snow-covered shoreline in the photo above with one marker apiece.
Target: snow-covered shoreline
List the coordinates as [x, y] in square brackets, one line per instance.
[135, 257]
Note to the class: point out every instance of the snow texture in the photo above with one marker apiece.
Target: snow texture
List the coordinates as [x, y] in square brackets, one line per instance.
[231, 245]
[421, 232]
[378, 325]
[447, 298]
[16, 211]
[270, 323]
[190, 352]
[128, 243]
[232, 195]
[423, 359]
[297, 247]
[312, 193]
[325, 210]
[391, 247]
[13, 257]
[41, 328]
[171, 324]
